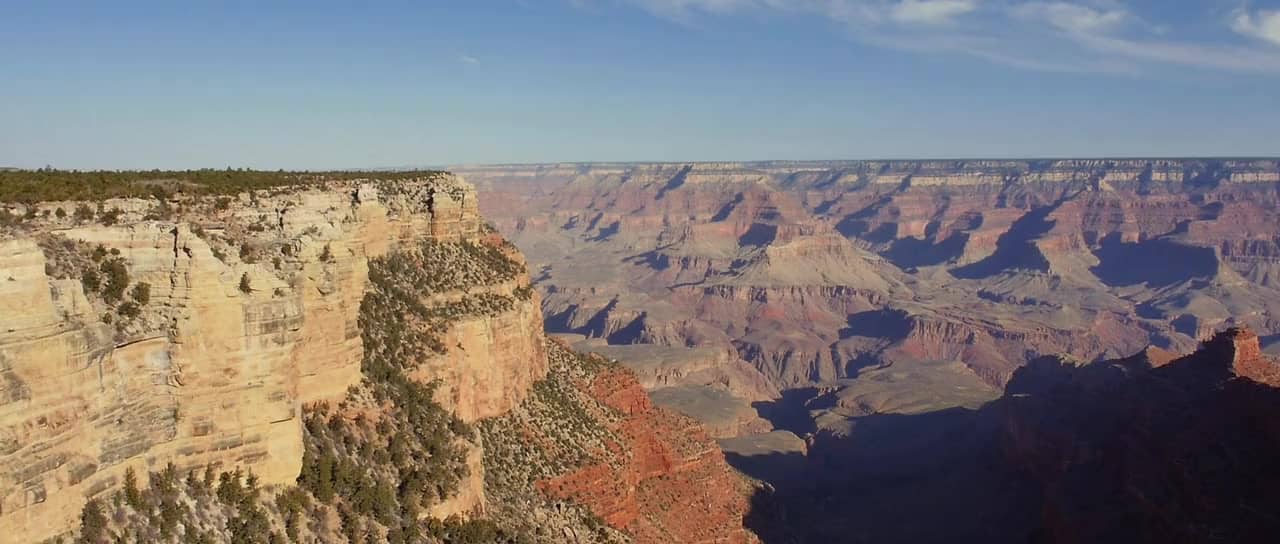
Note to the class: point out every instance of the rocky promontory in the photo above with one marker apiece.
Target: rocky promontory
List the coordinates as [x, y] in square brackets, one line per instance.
[182, 331]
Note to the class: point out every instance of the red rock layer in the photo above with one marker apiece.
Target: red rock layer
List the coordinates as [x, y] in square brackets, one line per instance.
[997, 262]
[674, 485]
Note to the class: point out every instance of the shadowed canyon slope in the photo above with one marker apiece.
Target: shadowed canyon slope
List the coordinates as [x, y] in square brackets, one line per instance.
[810, 271]
[1149, 448]
[367, 352]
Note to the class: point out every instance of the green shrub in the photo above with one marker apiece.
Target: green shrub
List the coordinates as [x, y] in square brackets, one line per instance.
[141, 293]
[131, 493]
[93, 523]
[248, 254]
[129, 310]
[110, 217]
[90, 280]
[117, 279]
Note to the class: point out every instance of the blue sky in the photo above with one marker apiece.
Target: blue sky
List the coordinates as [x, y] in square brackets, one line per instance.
[320, 84]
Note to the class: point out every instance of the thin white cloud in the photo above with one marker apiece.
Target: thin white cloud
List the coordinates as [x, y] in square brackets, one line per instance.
[930, 12]
[1074, 18]
[1116, 33]
[872, 11]
[1237, 59]
[681, 10]
[1264, 25]
[468, 59]
[1104, 36]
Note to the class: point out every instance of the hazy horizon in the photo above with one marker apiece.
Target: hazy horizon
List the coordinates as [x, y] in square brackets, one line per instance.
[647, 162]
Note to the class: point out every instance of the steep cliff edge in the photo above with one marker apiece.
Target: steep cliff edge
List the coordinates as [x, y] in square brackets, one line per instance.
[250, 313]
[314, 362]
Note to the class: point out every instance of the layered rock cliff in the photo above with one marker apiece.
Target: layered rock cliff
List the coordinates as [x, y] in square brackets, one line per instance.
[332, 341]
[988, 262]
[251, 314]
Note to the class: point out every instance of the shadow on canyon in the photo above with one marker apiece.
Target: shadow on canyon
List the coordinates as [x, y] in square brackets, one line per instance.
[1111, 452]
[1157, 263]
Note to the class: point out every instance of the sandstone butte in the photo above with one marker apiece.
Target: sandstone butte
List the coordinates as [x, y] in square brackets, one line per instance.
[228, 352]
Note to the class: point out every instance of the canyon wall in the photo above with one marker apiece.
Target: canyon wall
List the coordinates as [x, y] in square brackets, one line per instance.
[1181, 449]
[811, 271]
[1154, 447]
[590, 436]
[251, 314]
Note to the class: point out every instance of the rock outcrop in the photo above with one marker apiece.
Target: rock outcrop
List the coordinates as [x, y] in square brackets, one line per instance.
[1180, 450]
[639, 468]
[251, 314]
[336, 344]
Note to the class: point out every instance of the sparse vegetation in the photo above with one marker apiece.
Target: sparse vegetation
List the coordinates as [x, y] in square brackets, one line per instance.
[248, 253]
[103, 273]
[373, 463]
[110, 217]
[84, 213]
[371, 474]
[129, 310]
[570, 434]
[49, 184]
[115, 279]
[141, 293]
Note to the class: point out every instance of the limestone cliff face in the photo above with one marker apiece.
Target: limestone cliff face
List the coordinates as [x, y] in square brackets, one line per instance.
[491, 360]
[252, 313]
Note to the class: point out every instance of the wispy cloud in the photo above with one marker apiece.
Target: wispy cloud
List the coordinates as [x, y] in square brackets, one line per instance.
[930, 12]
[1052, 35]
[1074, 18]
[682, 10]
[468, 59]
[899, 11]
[1116, 33]
[1263, 25]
